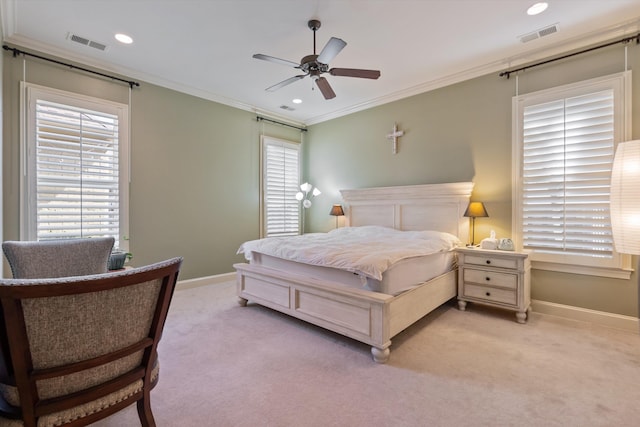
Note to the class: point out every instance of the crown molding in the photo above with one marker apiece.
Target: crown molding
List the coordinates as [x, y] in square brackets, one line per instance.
[7, 9]
[9, 18]
[32, 45]
[624, 29]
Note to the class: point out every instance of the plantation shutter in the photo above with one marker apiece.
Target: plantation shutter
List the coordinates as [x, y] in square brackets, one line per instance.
[281, 175]
[568, 148]
[77, 172]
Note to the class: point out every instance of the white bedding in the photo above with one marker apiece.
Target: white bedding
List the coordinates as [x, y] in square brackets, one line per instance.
[367, 251]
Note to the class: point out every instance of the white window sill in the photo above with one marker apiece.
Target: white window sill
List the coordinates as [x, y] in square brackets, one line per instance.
[614, 273]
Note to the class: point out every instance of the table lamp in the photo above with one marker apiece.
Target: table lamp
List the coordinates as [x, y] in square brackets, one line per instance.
[475, 210]
[336, 211]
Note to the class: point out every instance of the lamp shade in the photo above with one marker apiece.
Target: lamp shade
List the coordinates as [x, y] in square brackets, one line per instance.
[625, 198]
[336, 210]
[476, 210]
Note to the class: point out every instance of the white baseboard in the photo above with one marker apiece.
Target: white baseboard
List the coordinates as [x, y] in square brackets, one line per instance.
[202, 281]
[612, 320]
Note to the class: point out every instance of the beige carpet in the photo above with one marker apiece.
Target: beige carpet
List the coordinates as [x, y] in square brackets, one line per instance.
[226, 365]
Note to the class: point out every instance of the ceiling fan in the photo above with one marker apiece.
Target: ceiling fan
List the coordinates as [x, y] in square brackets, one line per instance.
[315, 65]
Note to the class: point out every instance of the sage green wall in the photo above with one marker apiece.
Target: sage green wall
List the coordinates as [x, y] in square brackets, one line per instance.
[194, 184]
[195, 179]
[194, 168]
[462, 133]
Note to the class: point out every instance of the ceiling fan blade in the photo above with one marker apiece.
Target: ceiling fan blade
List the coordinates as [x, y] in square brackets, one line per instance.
[331, 49]
[325, 88]
[285, 82]
[276, 60]
[354, 72]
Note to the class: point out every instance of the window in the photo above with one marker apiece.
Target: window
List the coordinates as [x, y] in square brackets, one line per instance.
[280, 180]
[76, 168]
[564, 143]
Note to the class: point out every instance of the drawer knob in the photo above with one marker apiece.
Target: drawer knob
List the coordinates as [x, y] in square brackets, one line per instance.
[487, 278]
[488, 261]
[488, 294]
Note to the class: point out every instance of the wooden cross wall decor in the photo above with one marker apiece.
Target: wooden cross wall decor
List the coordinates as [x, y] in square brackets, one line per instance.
[393, 136]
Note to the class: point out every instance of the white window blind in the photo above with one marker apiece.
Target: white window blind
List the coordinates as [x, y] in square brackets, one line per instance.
[568, 148]
[281, 178]
[75, 174]
[564, 155]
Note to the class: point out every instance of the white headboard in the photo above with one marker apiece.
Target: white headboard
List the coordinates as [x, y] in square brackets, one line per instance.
[411, 207]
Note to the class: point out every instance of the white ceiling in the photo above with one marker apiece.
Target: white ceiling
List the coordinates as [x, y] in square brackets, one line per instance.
[205, 47]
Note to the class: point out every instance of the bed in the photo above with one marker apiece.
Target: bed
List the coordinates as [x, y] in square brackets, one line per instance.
[336, 300]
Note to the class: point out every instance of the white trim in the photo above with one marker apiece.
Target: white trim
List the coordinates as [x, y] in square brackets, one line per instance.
[9, 18]
[204, 281]
[19, 41]
[605, 34]
[282, 146]
[619, 266]
[30, 94]
[615, 273]
[580, 41]
[602, 318]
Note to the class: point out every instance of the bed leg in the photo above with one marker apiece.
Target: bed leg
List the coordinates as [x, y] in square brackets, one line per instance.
[380, 355]
[242, 301]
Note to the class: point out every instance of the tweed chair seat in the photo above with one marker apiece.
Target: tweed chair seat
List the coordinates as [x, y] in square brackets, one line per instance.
[90, 344]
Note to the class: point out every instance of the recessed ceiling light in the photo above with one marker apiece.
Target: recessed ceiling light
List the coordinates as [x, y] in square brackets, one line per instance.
[537, 8]
[297, 101]
[123, 38]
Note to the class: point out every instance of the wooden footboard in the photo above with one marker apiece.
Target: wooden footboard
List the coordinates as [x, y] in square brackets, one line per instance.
[370, 317]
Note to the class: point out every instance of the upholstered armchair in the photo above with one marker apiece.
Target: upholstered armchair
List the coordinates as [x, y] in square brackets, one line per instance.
[78, 349]
[58, 258]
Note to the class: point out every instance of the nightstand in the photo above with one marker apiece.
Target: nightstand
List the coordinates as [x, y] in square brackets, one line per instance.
[495, 278]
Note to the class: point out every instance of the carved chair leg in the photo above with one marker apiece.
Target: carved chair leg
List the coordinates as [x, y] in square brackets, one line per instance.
[144, 412]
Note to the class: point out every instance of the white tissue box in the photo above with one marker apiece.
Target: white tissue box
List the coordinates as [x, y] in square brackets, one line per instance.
[489, 243]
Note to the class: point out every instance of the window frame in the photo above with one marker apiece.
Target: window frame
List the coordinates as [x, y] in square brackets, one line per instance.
[266, 141]
[619, 266]
[30, 93]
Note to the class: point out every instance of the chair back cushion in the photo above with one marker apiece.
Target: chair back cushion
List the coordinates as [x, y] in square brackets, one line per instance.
[72, 328]
[58, 258]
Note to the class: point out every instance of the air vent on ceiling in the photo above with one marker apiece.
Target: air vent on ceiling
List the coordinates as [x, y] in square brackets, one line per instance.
[539, 33]
[286, 107]
[87, 42]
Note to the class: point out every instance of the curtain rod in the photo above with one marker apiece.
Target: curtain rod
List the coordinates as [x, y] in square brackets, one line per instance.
[17, 52]
[624, 40]
[259, 118]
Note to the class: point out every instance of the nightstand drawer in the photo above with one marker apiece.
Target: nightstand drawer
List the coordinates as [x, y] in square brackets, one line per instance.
[490, 294]
[489, 261]
[484, 277]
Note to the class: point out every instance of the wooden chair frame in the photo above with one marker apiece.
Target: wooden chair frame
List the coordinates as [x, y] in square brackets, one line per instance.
[21, 370]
